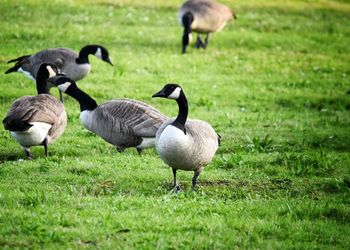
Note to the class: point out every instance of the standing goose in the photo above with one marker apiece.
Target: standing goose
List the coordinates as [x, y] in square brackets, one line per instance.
[185, 144]
[202, 16]
[37, 120]
[121, 122]
[75, 66]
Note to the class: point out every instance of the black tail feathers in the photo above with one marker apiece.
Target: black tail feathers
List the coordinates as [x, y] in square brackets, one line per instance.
[19, 59]
[13, 69]
[14, 124]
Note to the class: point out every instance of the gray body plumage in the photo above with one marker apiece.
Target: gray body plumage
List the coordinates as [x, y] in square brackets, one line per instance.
[124, 122]
[42, 108]
[209, 16]
[63, 58]
[191, 151]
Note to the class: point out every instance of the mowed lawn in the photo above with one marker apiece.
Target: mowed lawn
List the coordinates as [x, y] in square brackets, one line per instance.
[273, 84]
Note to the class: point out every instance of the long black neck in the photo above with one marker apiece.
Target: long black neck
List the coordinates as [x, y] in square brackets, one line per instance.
[183, 112]
[86, 102]
[85, 52]
[41, 83]
[187, 20]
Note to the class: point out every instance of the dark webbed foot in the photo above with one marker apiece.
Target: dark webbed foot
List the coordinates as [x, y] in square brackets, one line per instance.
[176, 187]
[139, 150]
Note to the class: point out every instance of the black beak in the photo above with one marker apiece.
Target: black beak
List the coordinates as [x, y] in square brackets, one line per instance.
[109, 61]
[53, 79]
[159, 94]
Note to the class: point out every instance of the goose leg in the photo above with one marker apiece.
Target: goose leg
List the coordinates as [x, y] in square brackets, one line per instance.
[139, 150]
[206, 41]
[176, 187]
[27, 152]
[61, 96]
[195, 177]
[199, 42]
[120, 149]
[45, 144]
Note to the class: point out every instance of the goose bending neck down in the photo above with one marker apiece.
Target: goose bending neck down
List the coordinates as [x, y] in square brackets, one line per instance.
[121, 122]
[37, 120]
[75, 66]
[184, 143]
[203, 17]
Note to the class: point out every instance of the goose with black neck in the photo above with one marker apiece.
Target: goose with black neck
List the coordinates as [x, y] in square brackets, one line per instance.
[75, 66]
[121, 122]
[203, 17]
[37, 120]
[183, 143]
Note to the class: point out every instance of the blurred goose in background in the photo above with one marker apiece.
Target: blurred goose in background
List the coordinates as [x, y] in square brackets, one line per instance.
[203, 17]
[75, 66]
[185, 144]
[122, 122]
[37, 120]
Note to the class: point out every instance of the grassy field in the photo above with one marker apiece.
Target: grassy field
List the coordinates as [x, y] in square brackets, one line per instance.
[274, 84]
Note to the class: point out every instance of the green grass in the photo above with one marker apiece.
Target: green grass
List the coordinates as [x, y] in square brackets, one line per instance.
[273, 84]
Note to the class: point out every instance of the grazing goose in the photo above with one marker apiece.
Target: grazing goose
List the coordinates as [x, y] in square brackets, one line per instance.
[121, 122]
[75, 66]
[37, 120]
[202, 16]
[185, 144]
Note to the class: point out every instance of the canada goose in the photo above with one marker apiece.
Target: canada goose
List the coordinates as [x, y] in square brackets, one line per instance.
[202, 16]
[185, 144]
[37, 120]
[75, 66]
[121, 122]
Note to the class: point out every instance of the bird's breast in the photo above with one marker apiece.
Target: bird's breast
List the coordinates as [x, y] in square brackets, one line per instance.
[175, 149]
[77, 71]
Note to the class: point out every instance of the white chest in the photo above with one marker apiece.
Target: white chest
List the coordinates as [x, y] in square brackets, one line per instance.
[35, 135]
[86, 119]
[173, 146]
[79, 71]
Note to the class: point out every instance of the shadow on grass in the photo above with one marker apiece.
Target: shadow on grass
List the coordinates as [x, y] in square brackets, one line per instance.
[11, 156]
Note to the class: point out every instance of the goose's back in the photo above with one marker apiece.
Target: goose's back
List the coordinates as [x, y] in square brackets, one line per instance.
[124, 122]
[63, 58]
[209, 16]
[41, 108]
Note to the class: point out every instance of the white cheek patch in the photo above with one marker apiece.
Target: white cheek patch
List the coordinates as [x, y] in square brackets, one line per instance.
[52, 73]
[98, 53]
[63, 87]
[175, 94]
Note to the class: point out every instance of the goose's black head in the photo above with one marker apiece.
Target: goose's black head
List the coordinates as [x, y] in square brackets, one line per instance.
[47, 70]
[170, 91]
[93, 49]
[102, 53]
[43, 77]
[64, 83]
